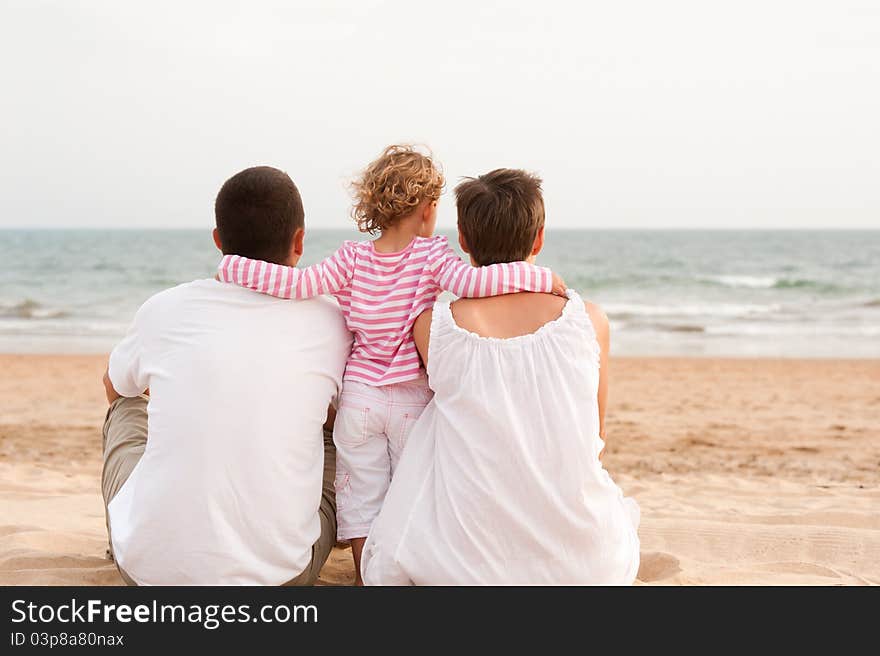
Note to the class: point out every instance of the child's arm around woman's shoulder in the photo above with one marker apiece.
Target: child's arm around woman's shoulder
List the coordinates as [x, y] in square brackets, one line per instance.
[328, 276]
[454, 275]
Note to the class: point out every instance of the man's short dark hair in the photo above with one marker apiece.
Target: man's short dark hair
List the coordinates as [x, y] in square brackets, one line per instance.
[257, 212]
[500, 214]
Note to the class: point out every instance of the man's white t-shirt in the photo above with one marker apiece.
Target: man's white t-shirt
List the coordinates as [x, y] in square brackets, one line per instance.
[229, 486]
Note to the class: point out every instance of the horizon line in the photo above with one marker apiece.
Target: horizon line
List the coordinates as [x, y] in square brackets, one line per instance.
[453, 228]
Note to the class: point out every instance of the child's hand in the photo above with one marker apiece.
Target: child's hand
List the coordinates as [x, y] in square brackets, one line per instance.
[559, 287]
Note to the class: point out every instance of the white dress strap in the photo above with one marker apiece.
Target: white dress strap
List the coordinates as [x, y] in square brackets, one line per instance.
[441, 329]
[577, 310]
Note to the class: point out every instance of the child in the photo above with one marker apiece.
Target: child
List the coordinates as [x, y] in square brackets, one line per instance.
[382, 286]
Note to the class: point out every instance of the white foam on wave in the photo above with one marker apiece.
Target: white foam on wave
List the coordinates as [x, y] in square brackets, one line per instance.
[793, 329]
[59, 327]
[750, 282]
[689, 310]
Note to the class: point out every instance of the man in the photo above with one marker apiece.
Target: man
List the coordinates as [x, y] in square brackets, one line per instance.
[216, 468]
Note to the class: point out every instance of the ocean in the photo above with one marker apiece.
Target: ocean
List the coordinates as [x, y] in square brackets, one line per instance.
[687, 293]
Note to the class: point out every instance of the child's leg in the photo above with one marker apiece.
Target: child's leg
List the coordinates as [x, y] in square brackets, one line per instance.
[407, 400]
[363, 467]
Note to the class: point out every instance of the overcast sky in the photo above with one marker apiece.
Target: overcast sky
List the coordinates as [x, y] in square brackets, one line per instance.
[760, 113]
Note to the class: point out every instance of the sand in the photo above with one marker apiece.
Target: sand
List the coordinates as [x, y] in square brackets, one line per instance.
[747, 471]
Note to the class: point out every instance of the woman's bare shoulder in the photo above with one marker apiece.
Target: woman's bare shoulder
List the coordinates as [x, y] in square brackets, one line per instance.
[598, 317]
[596, 312]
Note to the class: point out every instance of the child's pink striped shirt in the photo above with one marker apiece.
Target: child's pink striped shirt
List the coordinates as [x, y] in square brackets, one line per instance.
[382, 294]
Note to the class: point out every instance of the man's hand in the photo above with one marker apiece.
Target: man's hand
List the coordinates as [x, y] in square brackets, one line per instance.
[112, 394]
[559, 287]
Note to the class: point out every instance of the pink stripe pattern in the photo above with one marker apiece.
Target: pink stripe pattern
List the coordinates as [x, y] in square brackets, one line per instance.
[382, 295]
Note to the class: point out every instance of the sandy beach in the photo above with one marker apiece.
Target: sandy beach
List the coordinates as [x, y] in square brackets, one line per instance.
[747, 471]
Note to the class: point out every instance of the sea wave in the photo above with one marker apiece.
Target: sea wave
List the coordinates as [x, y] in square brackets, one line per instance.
[635, 310]
[29, 309]
[752, 282]
[683, 328]
[767, 282]
[793, 330]
[72, 328]
[798, 283]
[756, 329]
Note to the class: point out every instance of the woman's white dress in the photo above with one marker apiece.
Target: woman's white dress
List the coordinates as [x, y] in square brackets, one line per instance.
[500, 482]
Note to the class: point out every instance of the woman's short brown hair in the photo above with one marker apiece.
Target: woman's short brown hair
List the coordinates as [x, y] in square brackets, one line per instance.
[393, 186]
[500, 214]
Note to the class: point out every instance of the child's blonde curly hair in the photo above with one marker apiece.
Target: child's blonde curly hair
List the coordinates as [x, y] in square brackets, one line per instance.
[393, 186]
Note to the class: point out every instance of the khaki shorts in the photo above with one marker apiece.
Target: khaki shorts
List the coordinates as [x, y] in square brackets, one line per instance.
[125, 436]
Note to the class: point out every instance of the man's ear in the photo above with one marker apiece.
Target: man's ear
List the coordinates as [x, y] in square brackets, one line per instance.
[217, 242]
[296, 246]
[539, 242]
[463, 243]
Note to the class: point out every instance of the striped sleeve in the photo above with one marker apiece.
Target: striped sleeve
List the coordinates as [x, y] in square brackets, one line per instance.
[328, 276]
[453, 275]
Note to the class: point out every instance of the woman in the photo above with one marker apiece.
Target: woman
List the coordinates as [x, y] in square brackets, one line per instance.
[501, 481]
